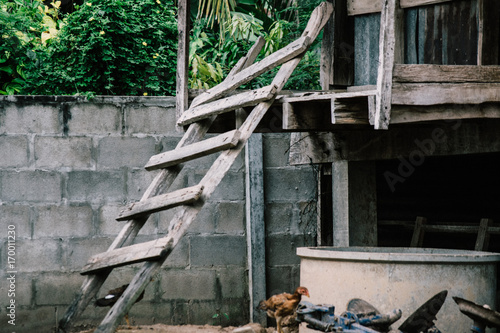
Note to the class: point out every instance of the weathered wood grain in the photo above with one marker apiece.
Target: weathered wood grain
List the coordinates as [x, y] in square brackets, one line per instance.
[386, 63]
[445, 93]
[233, 102]
[161, 202]
[359, 7]
[277, 58]
[182, 57]
[445, 73]
[152, 250]
[199, 149]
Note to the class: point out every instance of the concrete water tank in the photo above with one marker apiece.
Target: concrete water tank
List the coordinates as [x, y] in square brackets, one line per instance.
[400, 278]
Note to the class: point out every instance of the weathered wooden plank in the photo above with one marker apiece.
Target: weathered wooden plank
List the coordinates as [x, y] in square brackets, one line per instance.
[256, 231]
[161, 202]
[488, 16]
[248, 98]
[417, 238]
[446, 93]
[307, 116]
[483, 235]
[359, 7]
[152, 250]
[445, 73]
[277, 58]
[350, 111]
[388, 43]
[337, 50]
[187, 153]
[182, 57]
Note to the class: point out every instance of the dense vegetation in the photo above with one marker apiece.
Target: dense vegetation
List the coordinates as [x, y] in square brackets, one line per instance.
[128, 47]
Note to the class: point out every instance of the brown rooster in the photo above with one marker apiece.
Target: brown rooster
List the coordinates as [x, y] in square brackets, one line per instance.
[112, 296]
[282, 305]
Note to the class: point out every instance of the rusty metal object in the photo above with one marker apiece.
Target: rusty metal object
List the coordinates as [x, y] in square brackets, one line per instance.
[478, 313]
[423, 318]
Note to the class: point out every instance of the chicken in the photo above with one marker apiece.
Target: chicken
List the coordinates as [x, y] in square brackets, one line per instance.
[112, 296]
[282, 305]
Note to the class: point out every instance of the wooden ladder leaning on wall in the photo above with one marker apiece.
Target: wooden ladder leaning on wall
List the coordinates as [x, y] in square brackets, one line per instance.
[189, 201]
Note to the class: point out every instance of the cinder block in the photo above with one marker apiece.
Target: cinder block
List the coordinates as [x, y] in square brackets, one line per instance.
[118, 152]
[57, 289]
[279, 217]
[26, 118]
[179, 258]
[14, 151]
[290, 184]
[39, 319]
[203, 223]
[172, 312]
[231, 188]
[94, 118]
[63, 221]
[96, 186]
[282, 249]
[276, 149]
[188, 285]
[231, 217]
[138, 182]
[108, 226]
[218, 250]
[151, 120]
[28, 260]
[233, 282]
[282, 279]
[20, 289]
[17, 216]
[77, 252]
[34, 186]
[56, 152]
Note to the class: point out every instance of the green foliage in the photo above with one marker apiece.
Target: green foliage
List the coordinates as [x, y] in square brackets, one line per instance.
[110, 47]
[214, 51]
[21, 25]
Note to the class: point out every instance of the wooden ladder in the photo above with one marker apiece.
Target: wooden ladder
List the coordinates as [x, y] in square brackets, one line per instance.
[199, 116]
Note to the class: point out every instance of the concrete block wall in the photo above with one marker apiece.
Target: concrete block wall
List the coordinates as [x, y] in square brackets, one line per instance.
[68, 165]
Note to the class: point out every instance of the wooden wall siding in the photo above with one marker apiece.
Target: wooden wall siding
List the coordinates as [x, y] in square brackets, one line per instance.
[366, 49]
[444, 34]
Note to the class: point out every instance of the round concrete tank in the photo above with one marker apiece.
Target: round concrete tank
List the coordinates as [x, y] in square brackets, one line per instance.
[400, 278]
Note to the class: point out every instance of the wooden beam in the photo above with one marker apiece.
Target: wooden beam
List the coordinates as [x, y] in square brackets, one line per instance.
[161, 202]
[182, 57]
[488, 16]
[231, 83]
[123, 256]
[483, 235]
[445, 74]
[389, 36]
[445, 93]
[360, 7]
[255, 226]
[233, 102]
[187, 153]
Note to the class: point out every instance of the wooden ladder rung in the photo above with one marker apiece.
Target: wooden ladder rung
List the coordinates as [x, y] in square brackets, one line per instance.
[201, 148]
[248, 98]
[148, 251]
[161, 202]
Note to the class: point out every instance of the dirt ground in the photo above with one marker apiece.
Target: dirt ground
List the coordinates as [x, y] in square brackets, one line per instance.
[161, 328]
